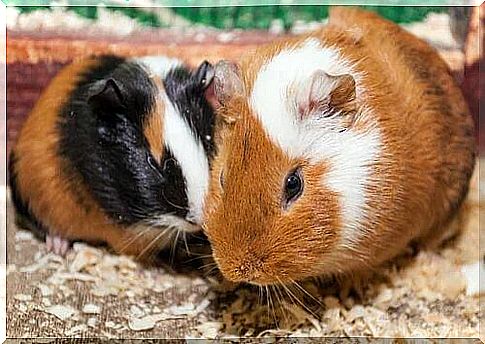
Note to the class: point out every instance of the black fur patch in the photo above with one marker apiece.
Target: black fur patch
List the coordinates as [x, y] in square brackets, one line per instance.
[174, 192]
[186, 92]
[24, 216]
[108, 150]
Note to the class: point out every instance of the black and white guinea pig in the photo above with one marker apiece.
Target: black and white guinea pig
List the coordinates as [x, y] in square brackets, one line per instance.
[116, 150]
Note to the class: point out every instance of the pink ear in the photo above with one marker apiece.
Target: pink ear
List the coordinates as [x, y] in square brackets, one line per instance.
[325, 94]
[227, 81]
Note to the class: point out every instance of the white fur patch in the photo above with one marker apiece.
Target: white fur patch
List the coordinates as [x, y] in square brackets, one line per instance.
[349, 153]
[185, 147]
[190, 154]
[159, 65]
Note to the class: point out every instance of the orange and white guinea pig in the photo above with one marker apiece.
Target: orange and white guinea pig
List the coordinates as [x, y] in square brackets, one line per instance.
[335, 150]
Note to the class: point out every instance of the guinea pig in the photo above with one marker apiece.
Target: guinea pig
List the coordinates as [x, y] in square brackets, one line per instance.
[116, 151]
[336, 149]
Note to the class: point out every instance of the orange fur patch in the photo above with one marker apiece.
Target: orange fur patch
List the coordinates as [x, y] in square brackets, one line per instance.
[153, 126]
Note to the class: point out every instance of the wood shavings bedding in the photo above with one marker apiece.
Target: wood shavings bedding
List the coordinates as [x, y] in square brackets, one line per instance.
[92, 293]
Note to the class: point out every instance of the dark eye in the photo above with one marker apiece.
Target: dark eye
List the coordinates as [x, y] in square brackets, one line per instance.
[154, 165]
[152, 162]
[293, 186]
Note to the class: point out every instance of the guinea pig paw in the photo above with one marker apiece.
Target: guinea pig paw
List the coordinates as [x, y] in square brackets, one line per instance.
[57, 244]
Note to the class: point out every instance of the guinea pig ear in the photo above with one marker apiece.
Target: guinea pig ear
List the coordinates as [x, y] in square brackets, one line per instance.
[106, 95]
[227, 81]
[326, 94]
[204, 75]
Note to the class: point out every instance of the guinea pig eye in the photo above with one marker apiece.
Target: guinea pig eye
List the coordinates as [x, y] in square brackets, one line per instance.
[152, 162]
[293, 186]
[154, 166]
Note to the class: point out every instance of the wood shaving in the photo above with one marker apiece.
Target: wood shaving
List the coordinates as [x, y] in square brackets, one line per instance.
[136, 312]
[92, 322]
[86, 256]
[384, 298]
[356, 312]
[44, 290]
[22, 297]
[76, 276]
[61, 312]
[209, 329]
[91, 309]
[142, 324]
[23, 235]
[76, 330]
[200, 307]
[185, 309]
[149, 322]
[50, 260]
[109, 324]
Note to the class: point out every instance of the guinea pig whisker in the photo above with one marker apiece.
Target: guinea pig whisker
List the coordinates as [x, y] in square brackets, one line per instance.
[261, 296]
[199, 256]
[210, 271]
[152, 242]
[207, 265]
[276, 293]
[184, 235]
[174, 247]
[285, 288]
[306, 292]
[273, 306]
[285, 306]
[130, 240]
[282, 302]
[267, 301]
[300, 302]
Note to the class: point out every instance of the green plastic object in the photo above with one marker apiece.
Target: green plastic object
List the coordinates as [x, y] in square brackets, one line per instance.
[243, 17]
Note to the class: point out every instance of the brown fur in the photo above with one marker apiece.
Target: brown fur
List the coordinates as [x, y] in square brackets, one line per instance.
[422, 176]
[154, 126]
[54, 196]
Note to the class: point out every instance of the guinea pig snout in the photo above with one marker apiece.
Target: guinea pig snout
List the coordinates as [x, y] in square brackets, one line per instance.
[249, 269]
[246, 271]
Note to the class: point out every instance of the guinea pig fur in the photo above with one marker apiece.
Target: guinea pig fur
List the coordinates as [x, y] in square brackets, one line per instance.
[335, 150]
[116, 150]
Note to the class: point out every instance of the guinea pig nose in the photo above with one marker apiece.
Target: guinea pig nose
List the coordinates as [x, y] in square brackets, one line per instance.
[248, 271]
